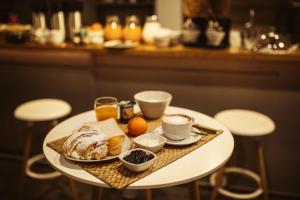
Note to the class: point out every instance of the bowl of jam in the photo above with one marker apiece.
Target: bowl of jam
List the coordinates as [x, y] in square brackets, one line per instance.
[138, 159]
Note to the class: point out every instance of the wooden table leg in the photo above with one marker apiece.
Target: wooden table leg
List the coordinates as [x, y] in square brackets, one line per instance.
[262, 170]
[27, 147]
[195, 190]
[73, 189]
[148, 194]
[98, 193]
[219, 179]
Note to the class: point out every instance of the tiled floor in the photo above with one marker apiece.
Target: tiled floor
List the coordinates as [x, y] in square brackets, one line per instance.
[57, 189]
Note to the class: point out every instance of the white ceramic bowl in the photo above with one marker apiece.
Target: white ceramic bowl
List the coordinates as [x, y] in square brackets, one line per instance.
[153, 103]
[150, 141]
[214, 37]
[137, 167]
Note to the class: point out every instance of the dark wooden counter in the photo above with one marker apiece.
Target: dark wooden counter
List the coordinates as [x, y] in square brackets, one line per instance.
[232, 67]
[177, 51]
[204, 80]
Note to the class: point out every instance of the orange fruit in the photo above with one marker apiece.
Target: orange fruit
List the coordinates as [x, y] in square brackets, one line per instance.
[137, 126]
[96, 27]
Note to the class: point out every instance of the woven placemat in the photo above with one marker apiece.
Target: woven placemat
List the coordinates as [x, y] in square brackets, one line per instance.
[117, 176]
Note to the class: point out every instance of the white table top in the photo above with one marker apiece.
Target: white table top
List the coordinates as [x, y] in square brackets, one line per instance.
[197, 164]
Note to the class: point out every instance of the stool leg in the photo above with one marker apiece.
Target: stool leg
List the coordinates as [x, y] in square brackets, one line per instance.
[73, 189]
[27, 147]
[262, 170]
[148, 194]
[195, 190]
[53, 123]
[219, 179]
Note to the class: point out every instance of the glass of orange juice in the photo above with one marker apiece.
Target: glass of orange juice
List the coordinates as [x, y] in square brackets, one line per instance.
[106, 107]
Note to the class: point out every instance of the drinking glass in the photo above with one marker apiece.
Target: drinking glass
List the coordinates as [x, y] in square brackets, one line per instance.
[106, 107]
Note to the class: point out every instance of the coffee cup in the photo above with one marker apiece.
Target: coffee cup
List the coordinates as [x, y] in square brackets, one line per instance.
[177, 126]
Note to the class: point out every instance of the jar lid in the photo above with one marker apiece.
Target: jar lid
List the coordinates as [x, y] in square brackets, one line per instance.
[152, 18]
[126, 103]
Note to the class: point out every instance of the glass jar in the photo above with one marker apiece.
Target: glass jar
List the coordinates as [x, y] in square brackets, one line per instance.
[113, 28]
[132, 30]
[151, 27]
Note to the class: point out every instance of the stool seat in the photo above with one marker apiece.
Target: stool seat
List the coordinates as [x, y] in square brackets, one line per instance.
[42, 110]
[32, 112]
[246, 122]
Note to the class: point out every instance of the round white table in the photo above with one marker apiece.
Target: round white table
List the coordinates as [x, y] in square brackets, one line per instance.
[195, 165]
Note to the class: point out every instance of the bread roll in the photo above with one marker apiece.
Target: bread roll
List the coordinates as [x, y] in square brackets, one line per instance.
[113, 132]
[115, 145]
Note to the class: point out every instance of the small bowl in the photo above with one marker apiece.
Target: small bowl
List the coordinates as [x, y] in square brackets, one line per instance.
[153, 103]
[137, 167]
[150, 141]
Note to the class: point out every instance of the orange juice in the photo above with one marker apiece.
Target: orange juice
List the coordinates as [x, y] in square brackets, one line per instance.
[132, 32]
[105, 112]
[113, 32]
[113, 28]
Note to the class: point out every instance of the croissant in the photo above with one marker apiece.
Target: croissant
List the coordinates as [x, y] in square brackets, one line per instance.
[87, 143]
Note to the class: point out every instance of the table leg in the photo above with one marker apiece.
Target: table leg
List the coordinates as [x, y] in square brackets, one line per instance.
[27, 147]
[195, 190]
[219, 179]
[148, 194]
[262, 170]
[98, 193]
[73, 189]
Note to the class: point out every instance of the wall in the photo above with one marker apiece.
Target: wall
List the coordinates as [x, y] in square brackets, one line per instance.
[169, 13]
[266, 10]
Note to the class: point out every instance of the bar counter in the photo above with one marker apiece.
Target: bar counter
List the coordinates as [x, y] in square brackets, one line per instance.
[204, 80]
[215, 67]
[176, 51]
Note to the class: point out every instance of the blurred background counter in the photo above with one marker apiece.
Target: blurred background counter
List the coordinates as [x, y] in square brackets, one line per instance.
[204, 80]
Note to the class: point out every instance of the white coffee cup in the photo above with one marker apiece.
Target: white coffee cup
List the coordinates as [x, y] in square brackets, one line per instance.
[177, 126]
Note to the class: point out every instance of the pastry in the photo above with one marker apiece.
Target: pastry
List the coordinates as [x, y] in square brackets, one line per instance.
[115, 145]
[94, 141]
[87, 143]
[113, 132]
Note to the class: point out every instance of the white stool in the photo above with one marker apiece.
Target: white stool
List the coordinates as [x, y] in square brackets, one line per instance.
[41, 110]
[249, 124]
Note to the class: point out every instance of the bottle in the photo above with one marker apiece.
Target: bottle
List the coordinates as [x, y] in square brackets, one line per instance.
[38, 15]
[132, 30]
[113, 28]
[57, 21]
[75, 21]
[40, 30]
[151, 27]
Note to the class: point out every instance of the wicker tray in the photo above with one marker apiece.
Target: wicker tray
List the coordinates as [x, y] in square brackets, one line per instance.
[117, 176]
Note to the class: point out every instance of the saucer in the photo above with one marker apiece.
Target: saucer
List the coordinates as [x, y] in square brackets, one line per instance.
[118, 44]
[192, 138]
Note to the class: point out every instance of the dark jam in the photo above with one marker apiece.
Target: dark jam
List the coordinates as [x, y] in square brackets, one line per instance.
[138, 157]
